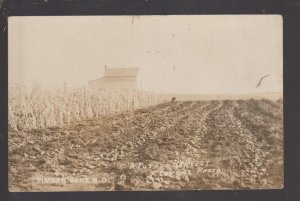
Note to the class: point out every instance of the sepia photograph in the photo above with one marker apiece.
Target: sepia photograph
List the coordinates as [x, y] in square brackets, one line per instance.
[145, 103]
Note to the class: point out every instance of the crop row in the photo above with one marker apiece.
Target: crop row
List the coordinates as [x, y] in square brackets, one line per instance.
[45, 108]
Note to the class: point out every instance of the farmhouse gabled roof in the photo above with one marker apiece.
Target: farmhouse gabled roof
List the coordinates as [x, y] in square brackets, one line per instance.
[121, 72]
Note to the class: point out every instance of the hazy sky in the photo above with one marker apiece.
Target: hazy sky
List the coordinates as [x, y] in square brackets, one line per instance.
[201, 54]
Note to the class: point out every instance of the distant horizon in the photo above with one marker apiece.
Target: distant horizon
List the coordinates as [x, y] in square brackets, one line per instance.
[167, 93]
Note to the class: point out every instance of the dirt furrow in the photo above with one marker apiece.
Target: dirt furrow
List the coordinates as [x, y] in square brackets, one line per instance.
[175, 145]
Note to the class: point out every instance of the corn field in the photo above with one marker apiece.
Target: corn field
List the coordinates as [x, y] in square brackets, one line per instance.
[46, 108]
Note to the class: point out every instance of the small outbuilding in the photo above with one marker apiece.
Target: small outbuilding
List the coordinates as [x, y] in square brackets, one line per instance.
[116, 79]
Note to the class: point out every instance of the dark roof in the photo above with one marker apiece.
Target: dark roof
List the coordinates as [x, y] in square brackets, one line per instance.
[121, 72]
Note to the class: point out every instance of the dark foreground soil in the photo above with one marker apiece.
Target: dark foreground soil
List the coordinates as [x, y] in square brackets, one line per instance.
[172, 146]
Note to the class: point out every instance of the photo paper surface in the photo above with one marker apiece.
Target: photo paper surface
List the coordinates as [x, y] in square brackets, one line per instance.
[145, 103]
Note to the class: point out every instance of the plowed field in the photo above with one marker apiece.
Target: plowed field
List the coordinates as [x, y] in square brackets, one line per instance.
[172, 146]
